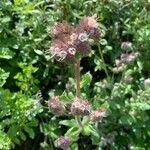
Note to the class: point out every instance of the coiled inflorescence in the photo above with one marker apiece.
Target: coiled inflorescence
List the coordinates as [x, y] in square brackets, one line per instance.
[70, 42]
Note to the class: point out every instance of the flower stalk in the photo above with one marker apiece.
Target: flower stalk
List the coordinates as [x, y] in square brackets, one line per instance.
[77, 77]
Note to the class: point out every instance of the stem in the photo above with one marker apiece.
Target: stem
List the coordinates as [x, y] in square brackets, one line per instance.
[77, 75]
[104, 64]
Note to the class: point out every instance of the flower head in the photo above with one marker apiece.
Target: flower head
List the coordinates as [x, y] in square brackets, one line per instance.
[128, 58]
[97, 115]
[90, 25]
[60, 30]
[56, 107]
[63, 142]
[80, 107]
[63, 52]
[126, 45]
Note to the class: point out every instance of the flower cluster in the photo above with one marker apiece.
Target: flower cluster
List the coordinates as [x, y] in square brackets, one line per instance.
[126, 45]
[63, 142]
[70, 42]
[126, 58]
[56, 107]
[80, 107]
[97, 115]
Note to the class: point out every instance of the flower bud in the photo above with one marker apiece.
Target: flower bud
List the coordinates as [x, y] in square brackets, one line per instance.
[63, 142]
[97, 115]
[56, 107]
[80, 107]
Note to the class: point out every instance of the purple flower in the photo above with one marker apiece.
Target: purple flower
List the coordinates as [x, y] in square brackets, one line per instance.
[63, 142]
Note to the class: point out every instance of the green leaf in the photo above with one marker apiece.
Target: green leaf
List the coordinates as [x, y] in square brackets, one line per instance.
[86, 79]
[69, 123]
[73, 133]
[127, 119]
[30, 131]
[6, 53]
[39, 52]
[65, 98]
[74, 146]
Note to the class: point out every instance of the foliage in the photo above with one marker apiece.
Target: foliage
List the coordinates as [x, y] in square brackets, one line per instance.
[29, 76]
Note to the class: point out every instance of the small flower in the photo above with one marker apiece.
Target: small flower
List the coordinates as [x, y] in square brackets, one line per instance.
[126, 45]
[62, 52]
[80, 107]
[147, 81]
[83, 37]
[97, 115]
[72, 50]
[63, 142]
[56, 107]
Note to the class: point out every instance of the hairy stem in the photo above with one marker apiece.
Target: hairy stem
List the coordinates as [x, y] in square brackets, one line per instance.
[77, 76]
[104, 64]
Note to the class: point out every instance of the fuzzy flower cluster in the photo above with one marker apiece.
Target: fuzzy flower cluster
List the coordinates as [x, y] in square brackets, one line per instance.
[63, 142]
[97, 115]
[80, 107]
[55, 106]
[126, 58]
[70, 42]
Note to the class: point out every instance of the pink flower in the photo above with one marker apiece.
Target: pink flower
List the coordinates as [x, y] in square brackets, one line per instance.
[56, 107]
[90, 25]
[97, 115]
[63, 142]
[60, 30]
[80, 107]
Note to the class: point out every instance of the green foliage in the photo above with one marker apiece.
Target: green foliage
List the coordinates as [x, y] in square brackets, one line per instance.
[28, 75]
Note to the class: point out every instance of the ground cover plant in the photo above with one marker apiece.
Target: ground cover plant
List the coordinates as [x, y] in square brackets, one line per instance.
[74, 74]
